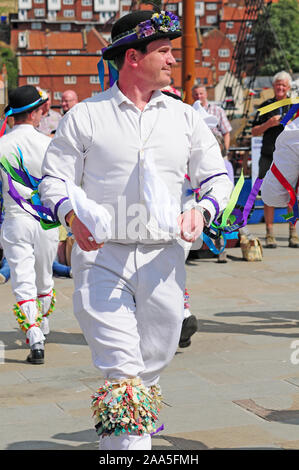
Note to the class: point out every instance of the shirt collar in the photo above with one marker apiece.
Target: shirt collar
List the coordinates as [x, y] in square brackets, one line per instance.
[156, 98]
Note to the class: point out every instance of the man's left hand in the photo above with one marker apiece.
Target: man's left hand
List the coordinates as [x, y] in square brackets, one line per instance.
[191, 224]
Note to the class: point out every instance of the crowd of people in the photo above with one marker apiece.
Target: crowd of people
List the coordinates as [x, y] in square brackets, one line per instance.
[136, 142]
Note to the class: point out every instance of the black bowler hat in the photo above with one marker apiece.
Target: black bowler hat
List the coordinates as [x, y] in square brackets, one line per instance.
[140, 28]
[24, 99]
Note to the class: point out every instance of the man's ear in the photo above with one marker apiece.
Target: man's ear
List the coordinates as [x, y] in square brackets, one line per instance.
[132, 57]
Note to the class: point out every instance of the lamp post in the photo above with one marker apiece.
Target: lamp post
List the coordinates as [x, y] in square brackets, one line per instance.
[188, 49]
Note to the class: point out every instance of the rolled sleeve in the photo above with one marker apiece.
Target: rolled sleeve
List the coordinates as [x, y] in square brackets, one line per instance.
[207, 170]
[64, 160]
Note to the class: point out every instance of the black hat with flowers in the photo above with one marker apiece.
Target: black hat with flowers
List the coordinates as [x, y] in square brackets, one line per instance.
[24, 99]
[140, 28]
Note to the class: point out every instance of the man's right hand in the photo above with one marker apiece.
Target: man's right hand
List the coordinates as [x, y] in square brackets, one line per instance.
[274, 121]
[82, 235]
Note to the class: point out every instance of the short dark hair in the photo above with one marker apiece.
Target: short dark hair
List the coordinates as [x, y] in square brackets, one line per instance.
[20, 116]
[120, 58]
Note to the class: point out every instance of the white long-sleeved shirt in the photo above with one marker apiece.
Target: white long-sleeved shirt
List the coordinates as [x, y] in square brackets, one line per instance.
[33, 146]
[286, 158]
[101, 144]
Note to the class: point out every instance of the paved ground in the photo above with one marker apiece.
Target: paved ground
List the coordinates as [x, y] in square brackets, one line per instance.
[235, 387]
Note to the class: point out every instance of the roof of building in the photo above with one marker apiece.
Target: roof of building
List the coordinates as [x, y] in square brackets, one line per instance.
[233, 13]
[61, 41]
[58, 65]
[55, 40]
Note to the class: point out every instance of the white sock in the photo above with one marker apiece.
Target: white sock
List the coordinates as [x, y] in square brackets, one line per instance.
[126, 442]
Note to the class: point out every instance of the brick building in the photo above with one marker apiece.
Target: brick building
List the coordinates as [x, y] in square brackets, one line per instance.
[48, 34]
[60, 73]
[97, 11]
[60, 61]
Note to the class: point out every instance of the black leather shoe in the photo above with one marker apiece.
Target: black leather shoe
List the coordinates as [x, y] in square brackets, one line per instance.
[36, 356]
[189, 327]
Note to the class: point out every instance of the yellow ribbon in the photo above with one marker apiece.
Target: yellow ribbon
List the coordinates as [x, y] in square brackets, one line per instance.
[277, 104]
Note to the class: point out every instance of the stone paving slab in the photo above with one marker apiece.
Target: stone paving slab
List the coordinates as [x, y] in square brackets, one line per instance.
[235, 387]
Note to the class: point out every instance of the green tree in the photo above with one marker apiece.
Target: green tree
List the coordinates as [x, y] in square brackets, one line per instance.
[277, 37]
[8, 57]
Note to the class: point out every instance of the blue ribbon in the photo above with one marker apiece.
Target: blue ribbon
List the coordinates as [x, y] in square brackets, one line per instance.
[101, 72]
[113, 73]
[290, 114]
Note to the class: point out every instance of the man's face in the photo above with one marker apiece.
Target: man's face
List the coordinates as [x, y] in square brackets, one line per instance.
[200, 94]
[154, 67]
[281, 87]
[68, 100]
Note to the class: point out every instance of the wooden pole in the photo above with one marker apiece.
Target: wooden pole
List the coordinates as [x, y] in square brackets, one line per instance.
[188, 49]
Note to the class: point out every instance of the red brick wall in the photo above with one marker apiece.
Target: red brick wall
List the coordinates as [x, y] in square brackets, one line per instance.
[83, 88]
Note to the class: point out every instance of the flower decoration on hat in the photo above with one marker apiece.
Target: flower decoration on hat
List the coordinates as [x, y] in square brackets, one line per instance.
[160, 22]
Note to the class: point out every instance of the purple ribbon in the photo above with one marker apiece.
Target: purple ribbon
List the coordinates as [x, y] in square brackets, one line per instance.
[20, 200]
[57, 207]
[251, 199]
[161, 428]
[213, 176]
[215, 204]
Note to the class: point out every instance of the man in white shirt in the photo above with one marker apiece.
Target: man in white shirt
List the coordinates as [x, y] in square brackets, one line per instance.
[284, 169]
[29, 250]
[222, 128]
[50, 118]
[129, 149]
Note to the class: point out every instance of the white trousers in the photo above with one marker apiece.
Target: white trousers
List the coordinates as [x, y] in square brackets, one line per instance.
[30, 252]
[128, 300]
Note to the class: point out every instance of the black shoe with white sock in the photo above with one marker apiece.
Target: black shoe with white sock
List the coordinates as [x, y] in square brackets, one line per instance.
[37, 354]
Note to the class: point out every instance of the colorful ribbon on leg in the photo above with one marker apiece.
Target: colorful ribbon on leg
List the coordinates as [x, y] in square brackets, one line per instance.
[291, 217]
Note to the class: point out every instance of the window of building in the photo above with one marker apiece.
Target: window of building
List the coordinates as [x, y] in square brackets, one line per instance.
[54, 5]
[206, 52]
[205, 81]
[232, 37]
[206, 64]
[68, 13]
[38, 12]
[223, 53]
[22, 14]
[223, 66]
[86, 3]
[68, 2]
[65, 27]
[74, 51]
[32, 80]
[94, 79]
[211, 19]
[211, 6]
[171, 7]
[52, 15]
[57, 95]
[229, 25]
[36, 25]
[199, 9]
[70, 80]
[37, 52]
[86, 15]
[39, 1]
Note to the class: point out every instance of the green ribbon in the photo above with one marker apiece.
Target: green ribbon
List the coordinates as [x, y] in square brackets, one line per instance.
[231, 204]
[10, 170]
